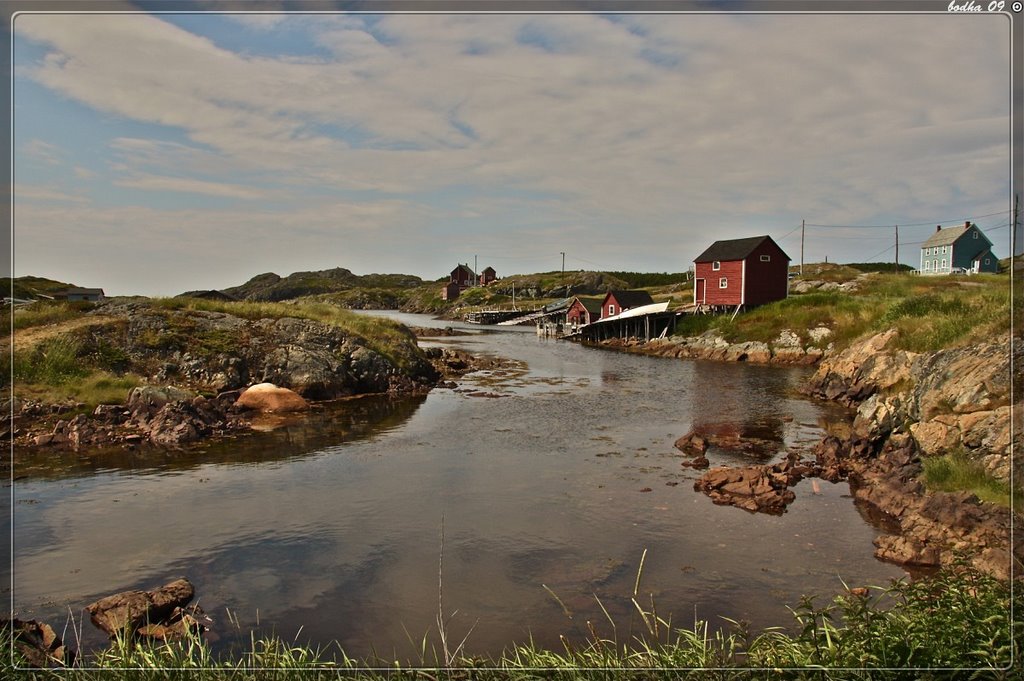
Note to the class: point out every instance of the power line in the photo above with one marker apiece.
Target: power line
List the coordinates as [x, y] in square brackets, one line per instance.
[908, 224]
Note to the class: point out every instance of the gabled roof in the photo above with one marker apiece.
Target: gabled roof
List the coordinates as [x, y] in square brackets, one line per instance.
[488, 269]
[630, 298]
[735, 249]
[74, 290]
[945, 237]
[592, 305]
[465, 268]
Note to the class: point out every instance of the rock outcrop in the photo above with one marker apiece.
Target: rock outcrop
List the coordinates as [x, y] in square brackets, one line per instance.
[161, 614]
[910, 406]
[952, 400]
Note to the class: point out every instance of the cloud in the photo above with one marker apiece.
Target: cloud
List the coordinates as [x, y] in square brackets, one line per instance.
[39, 150]
[183, 184]
[665, 124]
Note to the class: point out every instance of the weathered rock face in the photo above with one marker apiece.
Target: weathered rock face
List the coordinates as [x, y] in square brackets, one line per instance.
[955, 399]
[216, 352]
[862, 369]
[160, 613]
[267, 397]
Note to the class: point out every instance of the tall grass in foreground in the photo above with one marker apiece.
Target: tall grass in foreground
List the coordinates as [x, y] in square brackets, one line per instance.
[954, 625]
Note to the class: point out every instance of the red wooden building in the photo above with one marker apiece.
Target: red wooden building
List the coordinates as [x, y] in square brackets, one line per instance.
[583, 311]
[487, 276]
[751, 271]
[463, 276]
[450, 291]
[617, 302]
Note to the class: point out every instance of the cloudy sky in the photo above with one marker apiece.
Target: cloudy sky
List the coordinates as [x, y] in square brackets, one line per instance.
[158, 153]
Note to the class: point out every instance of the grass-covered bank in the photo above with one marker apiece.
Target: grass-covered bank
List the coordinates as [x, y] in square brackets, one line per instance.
[60, 352]
[931, 313]
[955, 624]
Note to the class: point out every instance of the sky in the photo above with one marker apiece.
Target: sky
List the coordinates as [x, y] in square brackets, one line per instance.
[161, 153]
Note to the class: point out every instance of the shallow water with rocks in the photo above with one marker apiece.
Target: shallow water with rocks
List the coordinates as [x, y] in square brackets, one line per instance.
[548, 476]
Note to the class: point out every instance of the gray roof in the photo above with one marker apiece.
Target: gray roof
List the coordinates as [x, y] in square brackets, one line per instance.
[630, 299]
[945, 237]
[735, 249]
[75, 290]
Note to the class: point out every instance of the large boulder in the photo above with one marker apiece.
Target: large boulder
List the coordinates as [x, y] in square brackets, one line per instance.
[129, 611]
[267, 397]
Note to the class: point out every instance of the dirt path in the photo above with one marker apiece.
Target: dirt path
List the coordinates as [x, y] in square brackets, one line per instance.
[27, 338]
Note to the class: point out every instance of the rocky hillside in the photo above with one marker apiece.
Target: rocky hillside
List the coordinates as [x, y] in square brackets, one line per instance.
[272, 287]
[913, 409]
[214, 351]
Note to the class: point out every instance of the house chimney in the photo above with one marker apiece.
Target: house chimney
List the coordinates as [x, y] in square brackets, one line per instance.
[967, 224]
[938, 228]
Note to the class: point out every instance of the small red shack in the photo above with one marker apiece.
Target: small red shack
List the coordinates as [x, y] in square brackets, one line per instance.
[487, 276]
[583, 311]
[450, 291]
[617, 302]
[733, 272]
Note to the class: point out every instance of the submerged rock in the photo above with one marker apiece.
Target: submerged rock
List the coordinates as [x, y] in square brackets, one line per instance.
[758, 489]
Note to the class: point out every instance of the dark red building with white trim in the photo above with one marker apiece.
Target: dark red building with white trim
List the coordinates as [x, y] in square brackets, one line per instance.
[749, 272]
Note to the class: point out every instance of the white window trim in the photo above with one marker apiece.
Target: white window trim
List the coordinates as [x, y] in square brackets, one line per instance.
[716, 265]
[723, 282]
[974, 234]
[611, 310]
[766, 258]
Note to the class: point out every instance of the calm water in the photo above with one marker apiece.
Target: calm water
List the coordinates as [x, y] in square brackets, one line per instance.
[333, 523]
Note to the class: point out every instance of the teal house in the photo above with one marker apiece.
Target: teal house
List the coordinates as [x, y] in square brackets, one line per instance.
[958, 250]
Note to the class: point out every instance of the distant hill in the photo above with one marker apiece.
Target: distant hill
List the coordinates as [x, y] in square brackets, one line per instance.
[272, 287]
[28, 288]
[878, 266]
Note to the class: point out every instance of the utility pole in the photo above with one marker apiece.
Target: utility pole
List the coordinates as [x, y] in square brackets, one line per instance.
[803, 226]
[897, 249]
[1013, 238]
[476, 273]
[563, 273]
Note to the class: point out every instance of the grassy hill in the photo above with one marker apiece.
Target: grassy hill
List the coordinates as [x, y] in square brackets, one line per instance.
[930, 312]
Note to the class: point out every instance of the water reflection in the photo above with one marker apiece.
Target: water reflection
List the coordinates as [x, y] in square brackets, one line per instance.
[333, 524]
[273, 438]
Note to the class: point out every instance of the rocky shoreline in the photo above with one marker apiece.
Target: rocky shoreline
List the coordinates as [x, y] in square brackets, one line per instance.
[786, 349]
[200, 366]
[908, 406]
